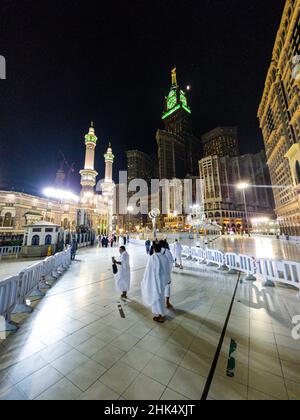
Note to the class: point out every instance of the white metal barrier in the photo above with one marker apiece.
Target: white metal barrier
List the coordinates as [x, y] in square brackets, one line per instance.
[194, 253]
[172, 249]
[186, 251]
[16, 291]
[8, 298]
[10, 250]
[232, 261]
[271, 271]
[213, 256]
[248, 266]
[287, 272]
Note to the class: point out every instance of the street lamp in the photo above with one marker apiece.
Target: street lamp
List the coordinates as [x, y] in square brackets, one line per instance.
[242, 187]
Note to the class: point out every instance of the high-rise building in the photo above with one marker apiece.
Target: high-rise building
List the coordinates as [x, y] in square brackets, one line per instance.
[178, 149]
[222, 141]
[88, 174]
[223, 201]
[279, 117]
[139, 165]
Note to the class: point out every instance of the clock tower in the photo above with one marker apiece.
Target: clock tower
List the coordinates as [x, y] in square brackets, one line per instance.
[178, 149]
[177, 113]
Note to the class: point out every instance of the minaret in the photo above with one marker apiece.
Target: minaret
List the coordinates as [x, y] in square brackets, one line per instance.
[109, 160]
[108, 186]
[88, 174]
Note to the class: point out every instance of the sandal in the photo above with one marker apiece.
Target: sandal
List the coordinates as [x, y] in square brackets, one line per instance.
[158, 319]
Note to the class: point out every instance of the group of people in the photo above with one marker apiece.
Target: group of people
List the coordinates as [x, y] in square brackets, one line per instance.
[106, 241]
[177, 250]
[156, 282]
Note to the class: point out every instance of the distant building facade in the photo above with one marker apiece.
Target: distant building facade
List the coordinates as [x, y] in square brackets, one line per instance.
[279, 117]
[223, 202]
[222, 141]
[178, 149]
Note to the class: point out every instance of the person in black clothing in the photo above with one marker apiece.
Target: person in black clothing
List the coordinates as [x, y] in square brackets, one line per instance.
[155, 242]
[148, 246]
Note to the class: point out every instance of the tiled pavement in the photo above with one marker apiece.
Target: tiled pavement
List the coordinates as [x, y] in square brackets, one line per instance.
[75, 345]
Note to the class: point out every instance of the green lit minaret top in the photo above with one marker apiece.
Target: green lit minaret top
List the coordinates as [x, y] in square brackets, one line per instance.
[176, 98]
[109, 157]
[91, 137]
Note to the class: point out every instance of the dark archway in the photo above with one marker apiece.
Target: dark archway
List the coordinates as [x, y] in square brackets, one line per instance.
[298, 172]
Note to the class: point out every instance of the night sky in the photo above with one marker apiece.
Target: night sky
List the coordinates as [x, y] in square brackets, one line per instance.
[69, 62]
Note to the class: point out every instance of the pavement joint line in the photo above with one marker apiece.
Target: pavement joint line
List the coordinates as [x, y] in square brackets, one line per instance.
[212, 372]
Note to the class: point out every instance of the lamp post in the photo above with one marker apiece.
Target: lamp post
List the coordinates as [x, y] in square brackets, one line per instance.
[242, 187]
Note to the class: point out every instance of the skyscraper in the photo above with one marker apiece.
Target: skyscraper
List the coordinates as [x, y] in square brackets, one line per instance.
[139, 165]
[222, 141]
[178, 149]
[279, 117]
[223, 201]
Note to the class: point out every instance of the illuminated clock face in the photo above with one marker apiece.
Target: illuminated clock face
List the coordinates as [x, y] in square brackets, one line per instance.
[172, 99]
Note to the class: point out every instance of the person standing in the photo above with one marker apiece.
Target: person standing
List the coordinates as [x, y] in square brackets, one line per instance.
[166, 251]
[111, 241]
[122, 278]
[121, 241]
[148, 246]
[152, 246]
[154, 283]
[178, 254]
[73, 249]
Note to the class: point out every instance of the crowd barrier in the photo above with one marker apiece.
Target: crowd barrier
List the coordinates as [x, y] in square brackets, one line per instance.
[10, 250]
[287, 272]
[271, 271]
[17, 291]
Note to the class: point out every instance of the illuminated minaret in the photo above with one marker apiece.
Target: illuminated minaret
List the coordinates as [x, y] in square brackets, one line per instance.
[88, 174]
[108, 186]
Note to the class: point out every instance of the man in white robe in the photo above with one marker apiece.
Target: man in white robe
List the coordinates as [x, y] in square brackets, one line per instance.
[122, 278]
[155, 280]
[121, 240]
[178, 254]
[166, 251]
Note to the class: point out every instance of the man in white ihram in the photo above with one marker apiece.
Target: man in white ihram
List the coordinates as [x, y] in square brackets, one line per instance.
[122, 277]
[178, 254]
[166, 251]
[155, 280]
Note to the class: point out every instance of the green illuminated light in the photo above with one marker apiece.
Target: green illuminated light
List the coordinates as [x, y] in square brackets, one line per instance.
[172, 99]
[183, 98]
[109, 157]
[90, 138]
[167, 114]
[187, 109]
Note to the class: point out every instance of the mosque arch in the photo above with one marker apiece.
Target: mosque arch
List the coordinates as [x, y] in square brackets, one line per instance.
[35, 241]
